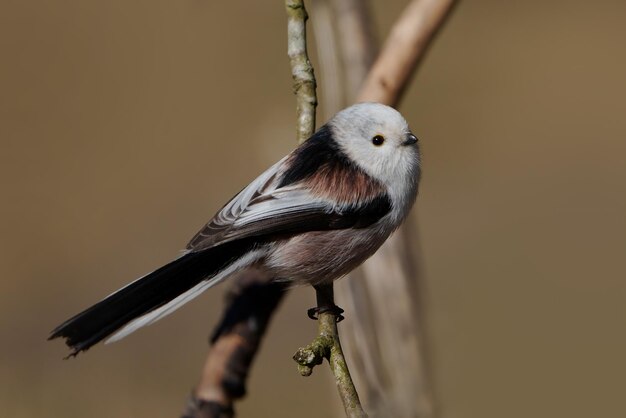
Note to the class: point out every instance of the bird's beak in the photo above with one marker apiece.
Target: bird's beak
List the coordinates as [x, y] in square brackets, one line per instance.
[410, 139]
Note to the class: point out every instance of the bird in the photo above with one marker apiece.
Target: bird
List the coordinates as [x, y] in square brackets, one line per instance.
[311, 218]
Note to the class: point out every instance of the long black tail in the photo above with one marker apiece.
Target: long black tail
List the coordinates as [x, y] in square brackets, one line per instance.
[146, 294]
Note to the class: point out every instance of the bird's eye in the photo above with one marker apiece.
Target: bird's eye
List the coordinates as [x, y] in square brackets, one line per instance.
[378, 140]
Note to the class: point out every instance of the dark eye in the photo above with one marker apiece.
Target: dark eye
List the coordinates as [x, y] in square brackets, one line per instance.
[378, 140]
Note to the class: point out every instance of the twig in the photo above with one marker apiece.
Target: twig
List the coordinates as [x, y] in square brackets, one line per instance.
[327, 343]
[301, 69]
[327, 346]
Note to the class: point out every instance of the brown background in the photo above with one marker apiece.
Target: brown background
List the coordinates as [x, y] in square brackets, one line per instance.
[124, 126]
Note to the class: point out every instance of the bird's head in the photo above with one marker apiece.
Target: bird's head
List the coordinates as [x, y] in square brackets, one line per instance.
[378, 139]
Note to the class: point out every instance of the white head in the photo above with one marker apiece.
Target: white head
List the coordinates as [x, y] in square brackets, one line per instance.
[377, 138]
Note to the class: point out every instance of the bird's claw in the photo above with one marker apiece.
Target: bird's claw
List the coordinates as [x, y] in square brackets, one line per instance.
[313, 313]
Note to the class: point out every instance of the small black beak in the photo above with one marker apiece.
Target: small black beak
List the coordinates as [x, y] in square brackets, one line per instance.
[410, 139]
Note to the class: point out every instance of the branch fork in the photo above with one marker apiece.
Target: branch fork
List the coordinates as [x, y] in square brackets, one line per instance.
[327, 346]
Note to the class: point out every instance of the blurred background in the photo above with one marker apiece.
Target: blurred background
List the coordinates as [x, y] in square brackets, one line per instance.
[125, 125]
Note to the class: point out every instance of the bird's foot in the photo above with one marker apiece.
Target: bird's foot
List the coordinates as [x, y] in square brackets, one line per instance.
[313, 313]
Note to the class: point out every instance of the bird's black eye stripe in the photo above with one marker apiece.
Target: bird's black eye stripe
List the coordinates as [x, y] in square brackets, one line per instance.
[378, 140]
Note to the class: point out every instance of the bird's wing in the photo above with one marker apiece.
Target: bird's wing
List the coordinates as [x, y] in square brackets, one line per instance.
[263, 210]
[222, 221]
[294, 210]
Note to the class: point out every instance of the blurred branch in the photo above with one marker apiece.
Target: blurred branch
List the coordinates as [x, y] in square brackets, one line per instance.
[396, 371]
[235, 341]
[326, 48]
[253, 299]
[357, 42]
[406, 45]
[391, 361]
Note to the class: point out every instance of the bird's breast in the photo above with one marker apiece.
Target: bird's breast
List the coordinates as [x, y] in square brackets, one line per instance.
[323, 256]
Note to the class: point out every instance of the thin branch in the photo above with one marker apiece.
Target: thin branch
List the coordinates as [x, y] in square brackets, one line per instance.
[327, 343]
[328, 346]
[301, 69]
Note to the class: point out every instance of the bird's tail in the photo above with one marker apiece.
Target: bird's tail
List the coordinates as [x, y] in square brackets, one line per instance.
[153, 296]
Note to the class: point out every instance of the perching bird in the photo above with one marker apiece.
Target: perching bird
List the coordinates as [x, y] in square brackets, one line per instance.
[309, 219]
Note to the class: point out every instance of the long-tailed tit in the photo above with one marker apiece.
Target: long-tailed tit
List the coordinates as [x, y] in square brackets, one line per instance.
[309, 219]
